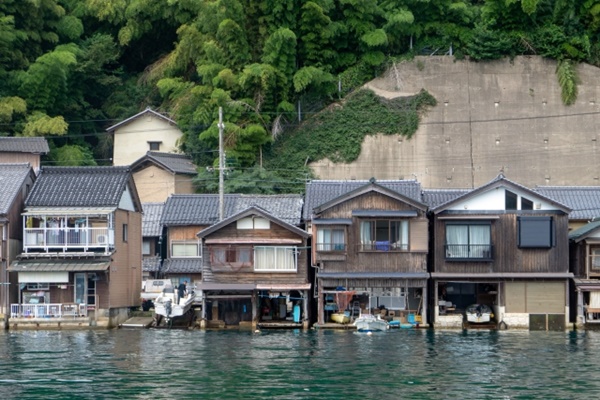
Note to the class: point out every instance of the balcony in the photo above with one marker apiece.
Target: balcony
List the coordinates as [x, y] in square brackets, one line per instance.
[67, 239]
[49, 310]
[469, 252]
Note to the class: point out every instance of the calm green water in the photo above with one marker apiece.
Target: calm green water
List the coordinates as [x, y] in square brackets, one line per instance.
[400, 364]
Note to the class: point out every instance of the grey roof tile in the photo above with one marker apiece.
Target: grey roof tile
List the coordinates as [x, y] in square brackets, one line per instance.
[151, 264]
[182, 265]
[36, 145]
[175, 163]
[582, 232]
[319, 192]
[79, 187]
[584, 201]
[151, 225]
[203, 209]
[435, 197]
[12, 177]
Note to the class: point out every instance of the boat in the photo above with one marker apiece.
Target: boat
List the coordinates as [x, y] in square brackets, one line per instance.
[340, 317]
[168, 306]
[371, 323]
[479, 314]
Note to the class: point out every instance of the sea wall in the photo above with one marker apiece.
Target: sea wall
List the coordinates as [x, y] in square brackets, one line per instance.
[501, 116]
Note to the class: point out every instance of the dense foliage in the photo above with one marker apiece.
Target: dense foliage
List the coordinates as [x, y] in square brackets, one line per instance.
[71, 68]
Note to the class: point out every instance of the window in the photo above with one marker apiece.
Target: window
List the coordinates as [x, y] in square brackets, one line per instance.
[231, 255]
[275, 258]
[595, 259]
[253, 223]
[384, 235]
[125, 233]
[510, 200]
[154, 146]
[146, 247]
[468, 240]
[184, 249]
[331, 239]
[526, 204]
[535, 232]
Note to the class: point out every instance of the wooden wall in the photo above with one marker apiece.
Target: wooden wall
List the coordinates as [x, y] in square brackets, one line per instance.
[507, 256]
[126, 269]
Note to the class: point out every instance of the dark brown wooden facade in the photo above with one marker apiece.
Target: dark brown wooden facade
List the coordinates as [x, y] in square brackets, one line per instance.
[395, 271]
[255, 276]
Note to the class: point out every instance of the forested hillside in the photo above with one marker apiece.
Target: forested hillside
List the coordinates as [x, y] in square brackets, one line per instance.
[284, 71]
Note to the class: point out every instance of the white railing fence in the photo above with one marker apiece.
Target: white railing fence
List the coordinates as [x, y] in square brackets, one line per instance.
[49, 310]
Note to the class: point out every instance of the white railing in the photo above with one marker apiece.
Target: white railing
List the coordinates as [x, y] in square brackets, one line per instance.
[68, 237]
[49, 310]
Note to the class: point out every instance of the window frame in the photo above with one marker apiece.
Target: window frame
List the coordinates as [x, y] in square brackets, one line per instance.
[470, 247]
[403, 233]
[277, 249]
[185, 243]
[331, 245]
[154, 143]
[232, 255]
[528, 234]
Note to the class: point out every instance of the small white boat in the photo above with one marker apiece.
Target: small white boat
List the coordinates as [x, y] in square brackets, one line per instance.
[168, 305]
[479, 314]
[371, 323]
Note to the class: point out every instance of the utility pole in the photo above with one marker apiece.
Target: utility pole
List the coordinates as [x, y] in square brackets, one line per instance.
[221, 167]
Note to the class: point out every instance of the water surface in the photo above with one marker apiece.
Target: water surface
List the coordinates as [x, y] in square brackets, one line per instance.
[400, 364]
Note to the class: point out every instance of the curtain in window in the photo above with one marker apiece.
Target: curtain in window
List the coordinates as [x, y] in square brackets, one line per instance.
[479, 239]
[457, 240]
[274, 258]
[219, 256]
[404, 235]
[338, 240]
[323, 240]
[185, 250]
[365, 235]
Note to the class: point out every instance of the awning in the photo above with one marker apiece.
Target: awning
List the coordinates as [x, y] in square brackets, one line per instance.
[587, 284]
[332, 221]
[384, 213]
[58, 211]
[374, 275]
[225, 286]
[283, 286]
[79, 265]
[502, 275]
[252, 241]
[44, 277]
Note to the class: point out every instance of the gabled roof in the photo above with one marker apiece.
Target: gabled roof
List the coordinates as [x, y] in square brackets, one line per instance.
[367, 188]
[436, 197]
[584, 201]
[253, 210]
[174, 163]
[151, 264]
[34, 145]
[498, 181]
[182, 266]
[203, 209]
[81, 187]
[151, 225]
[319, 192]
[138, 115]
[583, 232]
[12, 177]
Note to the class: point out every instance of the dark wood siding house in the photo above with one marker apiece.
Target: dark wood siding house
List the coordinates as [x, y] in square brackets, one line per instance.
[81, 262]
[151, 239]
[256, 272]
[505, 246]
[585, 265]
[369, 240]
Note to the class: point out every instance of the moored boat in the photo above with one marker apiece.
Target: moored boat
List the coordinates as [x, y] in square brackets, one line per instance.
[371, 323]
[169, 306]
[340, 317]
[479, 314]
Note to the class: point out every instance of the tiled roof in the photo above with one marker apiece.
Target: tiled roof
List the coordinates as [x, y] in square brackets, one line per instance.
[36, 145]
[12, 177]
[584, 201]
[146, 111]
[79, 187]
[182, 265]
[320, 192]
[435, 197]
[582, 232]
[151, 264]
[175, 163]
[151, 225]
[203, 209]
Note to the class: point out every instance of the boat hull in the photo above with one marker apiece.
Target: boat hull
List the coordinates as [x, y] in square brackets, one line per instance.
[478, 314]
[369, 323]
[340, 318]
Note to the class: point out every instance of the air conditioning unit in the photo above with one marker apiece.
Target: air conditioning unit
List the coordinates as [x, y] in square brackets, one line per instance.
[101, 239]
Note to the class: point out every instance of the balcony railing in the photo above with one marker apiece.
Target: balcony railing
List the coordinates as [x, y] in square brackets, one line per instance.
[49, 310]
[331, 246]
[469, 251]
[71, 238]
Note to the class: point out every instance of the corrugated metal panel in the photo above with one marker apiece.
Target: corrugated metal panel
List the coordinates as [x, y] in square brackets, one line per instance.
[545, 297]
[515, 297]
[332, 221]
[69, 211]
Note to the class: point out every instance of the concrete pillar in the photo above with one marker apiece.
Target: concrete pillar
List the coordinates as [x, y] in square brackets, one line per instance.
[580, 319]
[320, 306]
